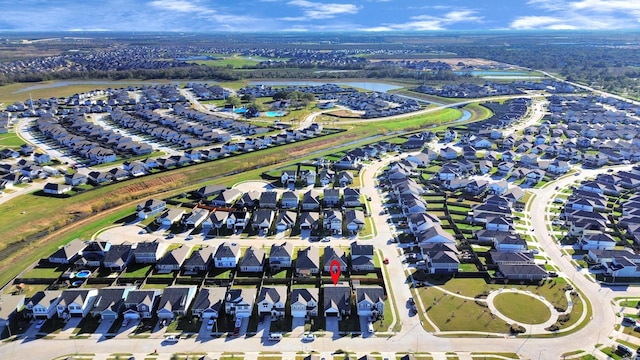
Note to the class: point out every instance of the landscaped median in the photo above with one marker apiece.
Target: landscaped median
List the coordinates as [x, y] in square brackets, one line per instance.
[462, 306]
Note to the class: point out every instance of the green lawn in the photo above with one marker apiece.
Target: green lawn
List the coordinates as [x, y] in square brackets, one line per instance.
[136, 271]
[44, 273]
[10, 140]
[522, 308]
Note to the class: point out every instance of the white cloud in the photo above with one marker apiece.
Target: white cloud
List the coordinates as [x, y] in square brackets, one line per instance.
[182, 6]
[315, 10]
[431, 22]
[581, 14]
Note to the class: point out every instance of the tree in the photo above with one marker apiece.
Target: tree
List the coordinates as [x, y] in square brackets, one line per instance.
[248, 98]
[234, 100]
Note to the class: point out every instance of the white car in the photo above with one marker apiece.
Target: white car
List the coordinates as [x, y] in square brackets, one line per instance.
[308, 337]
[171, 339]
[210, 324]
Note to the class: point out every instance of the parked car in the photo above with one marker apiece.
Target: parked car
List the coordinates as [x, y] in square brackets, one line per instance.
[125, 322]
[308, 337]
[39, 324]
[627, 321]
[171, 339]
[412, 301]
[623, 351]
[210, 324]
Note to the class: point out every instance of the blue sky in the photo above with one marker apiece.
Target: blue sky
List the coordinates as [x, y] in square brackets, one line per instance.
[317, 15]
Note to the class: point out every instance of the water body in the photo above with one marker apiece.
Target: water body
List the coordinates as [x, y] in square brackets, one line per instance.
[371, 86]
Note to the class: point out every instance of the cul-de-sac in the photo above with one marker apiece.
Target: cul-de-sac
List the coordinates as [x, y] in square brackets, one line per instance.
[368, 194]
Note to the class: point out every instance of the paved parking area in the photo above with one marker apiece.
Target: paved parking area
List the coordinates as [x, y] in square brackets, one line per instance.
[332, 326]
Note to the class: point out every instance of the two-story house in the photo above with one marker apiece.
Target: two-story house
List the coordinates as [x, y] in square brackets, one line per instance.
[226, 256]
[238, 302]
[304, 303]
[370, 301]
[139, 303]
[271, 301]
[280, 256]
[175, 301]
[208, 303]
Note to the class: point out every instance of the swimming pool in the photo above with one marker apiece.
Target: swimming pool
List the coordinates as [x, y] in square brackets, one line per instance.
[83, 274]
[275, 113]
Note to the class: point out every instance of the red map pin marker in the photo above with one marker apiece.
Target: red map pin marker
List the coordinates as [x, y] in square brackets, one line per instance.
[334, 270]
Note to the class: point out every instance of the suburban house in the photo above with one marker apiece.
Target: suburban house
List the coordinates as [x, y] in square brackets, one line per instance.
[262, 219]
[280, 256]
[170, 216]
[75, 179]
[146, 252]
[109, 302]
[139, 303]
[271, 301]
[288, 177]
[310, 200]
[68, 253]
[440, 258]
[354, 220]
[226, 256]
[332, 221]
[11, 306]
[309, 220]
[196, 217]
[237, 220]
[43, 304]
[200, 260]
[172, 260]
[304, 303]
[150, 207]
[286, 220]
[118, 257]
[308, 261]
[596, 241]
[268, 200]
[331, 254]
[331, 197]
[351, 197]
[175, 301]
[253, 260]
[337, 300]
[362, 257]
[528, 272]
[370, 301]
[239, 302]
[208, 303]
[289, 200]
[56, 189]
[75, 302]
[226, 197]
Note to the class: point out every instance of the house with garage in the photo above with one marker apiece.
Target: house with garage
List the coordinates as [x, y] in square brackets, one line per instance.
[521, 272]
[332, 254]
[226, 198]
[209, 302]
[43, 304]
[196, 217]
[56, 189]
[200, 260]
[286, 220]
[337, 300]
[332, 221]
[92, 254]
[75, 179]
[249, 199]
[309, 220]
[362, 257]
[288, 178]
[308, 177]
[596, 240]
[418, 222]
[304, 303]
[147, 252]
[440, 258]
[351, 197]
[262, 219]
[310, 200]
[226, 256]
[139, 303]
[289, 200]
[68, 253]
[118, 257]
[173, 259]
[175, 301]
[280, 256]
[171, 216]
[268, 200]
[331, 197]
[307, 262]
[434, 234]
[238, 302]
[11, 307]
[354, 220]
[237, 220]
[271, 301]
[345, 178]
[150, 207]
[109, 302]
[370, 301]
[209, 190]
[509, 242]
[75, 302]
[253, 260]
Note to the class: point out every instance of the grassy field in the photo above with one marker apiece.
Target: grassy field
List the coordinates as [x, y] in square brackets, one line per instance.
[522, 308]
[10, 140]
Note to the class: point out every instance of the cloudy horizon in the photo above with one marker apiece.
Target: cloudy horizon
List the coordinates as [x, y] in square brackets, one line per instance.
[318, 16]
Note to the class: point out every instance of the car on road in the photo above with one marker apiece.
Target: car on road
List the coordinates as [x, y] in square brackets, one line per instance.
[39, 323]
[189, 237]
[171, 339]
[210, 324]
[308, 337]
[171, 236]
[326, 239]
[143, 231]
[412, 301]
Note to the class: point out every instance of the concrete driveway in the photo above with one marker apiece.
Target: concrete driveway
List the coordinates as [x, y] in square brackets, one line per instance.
[332, 326]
